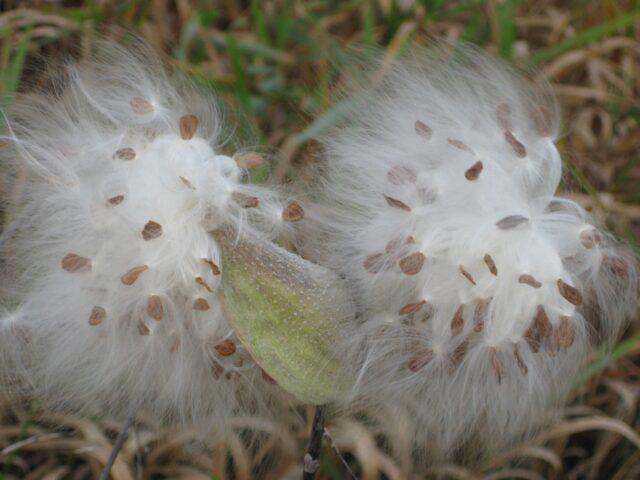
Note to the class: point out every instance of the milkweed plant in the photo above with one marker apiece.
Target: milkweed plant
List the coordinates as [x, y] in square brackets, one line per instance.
[435, 267]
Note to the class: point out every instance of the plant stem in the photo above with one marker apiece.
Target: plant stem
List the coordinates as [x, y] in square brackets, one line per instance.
[311, 462]
[122, 437]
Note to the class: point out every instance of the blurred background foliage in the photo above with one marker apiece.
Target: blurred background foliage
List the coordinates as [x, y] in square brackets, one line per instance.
[277, 63]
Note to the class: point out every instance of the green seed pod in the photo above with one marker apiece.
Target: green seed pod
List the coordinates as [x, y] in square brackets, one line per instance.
[289, 313]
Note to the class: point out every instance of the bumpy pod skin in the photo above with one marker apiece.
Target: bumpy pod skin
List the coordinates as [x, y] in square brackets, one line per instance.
[481, 292]
[111, 277]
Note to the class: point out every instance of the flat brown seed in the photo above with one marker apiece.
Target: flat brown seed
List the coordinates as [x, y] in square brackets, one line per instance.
[521, 365]
[249, 160]
[420, 361]
[496, 364]
[542, 121]
[532, 336]
[143, 329]
[457, 323]
[374, 263]
[423, 130]
[460, 145]
[132, 275]
[529, 280]
[226, 348]
[474, 171]
[401, 175]
[503, 115]
[154, 308]
[518, 147]
[188, 126]
[480, 313]
[491, 265]
[466, 274]
[201, 305]
[187, 183]
[141, 106]
[615, 265]
[125, 154]
[412, 264]
[151, 230]
[98, 314]
[542, 323]
[512, 221]
[200, 281]
[566, 332]
[117, 200]
[412, 307]
[571, 294]
[75, 263]
[458, 354]
[590, 238]
[244, 201]
[293, 212]
[395, 203]
[214, 268]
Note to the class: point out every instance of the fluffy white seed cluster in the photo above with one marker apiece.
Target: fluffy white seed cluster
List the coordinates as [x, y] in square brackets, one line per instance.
[111, 276]
[481, 292]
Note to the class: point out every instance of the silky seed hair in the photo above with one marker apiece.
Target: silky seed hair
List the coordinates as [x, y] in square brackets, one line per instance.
[110, 274]
[481, 292]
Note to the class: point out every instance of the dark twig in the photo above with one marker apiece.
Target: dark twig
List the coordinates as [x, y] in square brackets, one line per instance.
[334, 447]
[122, 437]
[311, 462]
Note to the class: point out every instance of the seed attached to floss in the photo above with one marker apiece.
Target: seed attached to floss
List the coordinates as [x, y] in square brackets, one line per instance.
[412, 307]
[521, 365]
[542, 322]
[249, 160]
[214, 267]
[141, 106]
[187, 183]
[200, 281]
[151, 230]
[188, 126]
[142, 328]
[518, 147]
[423, 130]
[420, 361]
[154, 308]
[75, 263]
[571, 294]
[201, 305]
[590, 238]
[479, 314]
[460, 145]
[98, 314]
[529, 280]
[503, 115]
[466, 274]
[117, 200]
[412, 264]
[125, 154]
[395, 203]
[497, 365]
[565, 333]
[293, 212]
[244, 201]
[132, 275]
[374, 263]
[512, 221]
[491, 265]
[226, 348]
[457, 323]
[474, 171]
[401, 175]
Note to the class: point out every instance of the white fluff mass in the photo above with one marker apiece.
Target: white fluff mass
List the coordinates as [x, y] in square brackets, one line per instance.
[109, 274]
[481, 293]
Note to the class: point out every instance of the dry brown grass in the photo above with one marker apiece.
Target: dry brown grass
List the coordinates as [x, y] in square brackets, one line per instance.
[270, 59]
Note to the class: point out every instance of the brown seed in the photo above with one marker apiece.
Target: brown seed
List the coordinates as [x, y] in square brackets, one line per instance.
[590, 238]
[117, 200]
[474, 171]
[496, 363]
[457, 323]
[458, 354]
[412, 307]
[249, 160]
[615, 265]
[214, 268]
[518, 147]
[512, 221]
[125, 154]
[154, 308]
[175, 344]
[132, 275]
[479, 314]
[503, 114]
[75, 263]
[201, 305]
[151, 230]
[423, 130]
[244, 201]
[566, 332]
[542, 322]
[420, 361]
[293, 213]
[395, 203]
[200, 281]
[491, 264]
[532, 336]
[529, 280]
[98, 314]
[521, 365]
[412, 264]
[571, 294]
[542, 120]
[466, 274]
[141, 106]
[187, 183]
[459, 145]
[401, 175]
[226, 348]
[374, 263]
[142, 328]
[188, 126]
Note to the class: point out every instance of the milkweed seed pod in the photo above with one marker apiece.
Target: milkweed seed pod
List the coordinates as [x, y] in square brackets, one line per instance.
[116, 261]
[480, 291]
